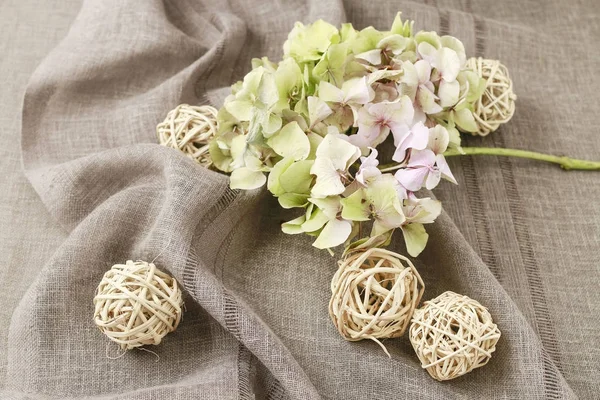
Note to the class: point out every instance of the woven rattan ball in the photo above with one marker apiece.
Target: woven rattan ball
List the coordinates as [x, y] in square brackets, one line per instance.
[136, 304]
[452, 335]
[496, 105]
[374, 294]
[189, 129]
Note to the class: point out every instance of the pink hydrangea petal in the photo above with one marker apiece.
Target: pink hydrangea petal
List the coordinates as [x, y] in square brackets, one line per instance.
[422, 158]
[433, 178]
[444, 168]
[412, 178]
[419, 136]
[420, 115]
[399, 154]
[400, 130]
[359, 141]
[368, 131]
[423, 69]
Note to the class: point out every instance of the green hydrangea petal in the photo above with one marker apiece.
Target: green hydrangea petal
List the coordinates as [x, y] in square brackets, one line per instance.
[290, 141]
[355, 207]
[219, 159]
[431, 38]
[333, 234]
[315, 222]
[246, 179]
[273, 183]
[294, 226]
[293, 200]
[415, 238]
[465, 120]
[402, 28]
[297, 177]
[240, 109]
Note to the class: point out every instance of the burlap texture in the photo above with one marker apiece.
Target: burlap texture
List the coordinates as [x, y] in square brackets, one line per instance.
[520, 237]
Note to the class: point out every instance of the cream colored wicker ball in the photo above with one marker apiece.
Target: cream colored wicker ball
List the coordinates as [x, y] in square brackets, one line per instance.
[136, 304]
[189, 129]
[374, 294]
[452, 335]
[497, 104]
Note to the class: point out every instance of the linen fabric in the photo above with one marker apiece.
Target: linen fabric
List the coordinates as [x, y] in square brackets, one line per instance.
[519, 236]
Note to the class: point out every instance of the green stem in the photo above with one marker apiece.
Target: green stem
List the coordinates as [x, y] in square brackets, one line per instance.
[390, 167]
[565, 162]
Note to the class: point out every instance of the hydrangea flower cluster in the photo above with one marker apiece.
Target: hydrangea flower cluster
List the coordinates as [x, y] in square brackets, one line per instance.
[308, 127]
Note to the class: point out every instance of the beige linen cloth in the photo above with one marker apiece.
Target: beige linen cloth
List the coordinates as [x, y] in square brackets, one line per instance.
[519, 236]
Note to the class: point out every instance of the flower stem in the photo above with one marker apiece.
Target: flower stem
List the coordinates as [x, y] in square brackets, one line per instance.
[565, 162]
[390, 167]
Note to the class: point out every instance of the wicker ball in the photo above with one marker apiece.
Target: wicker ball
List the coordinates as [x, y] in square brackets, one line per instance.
[496, 105]
[452, 335]
[136, 304]
[189, 129]
[374, 294]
